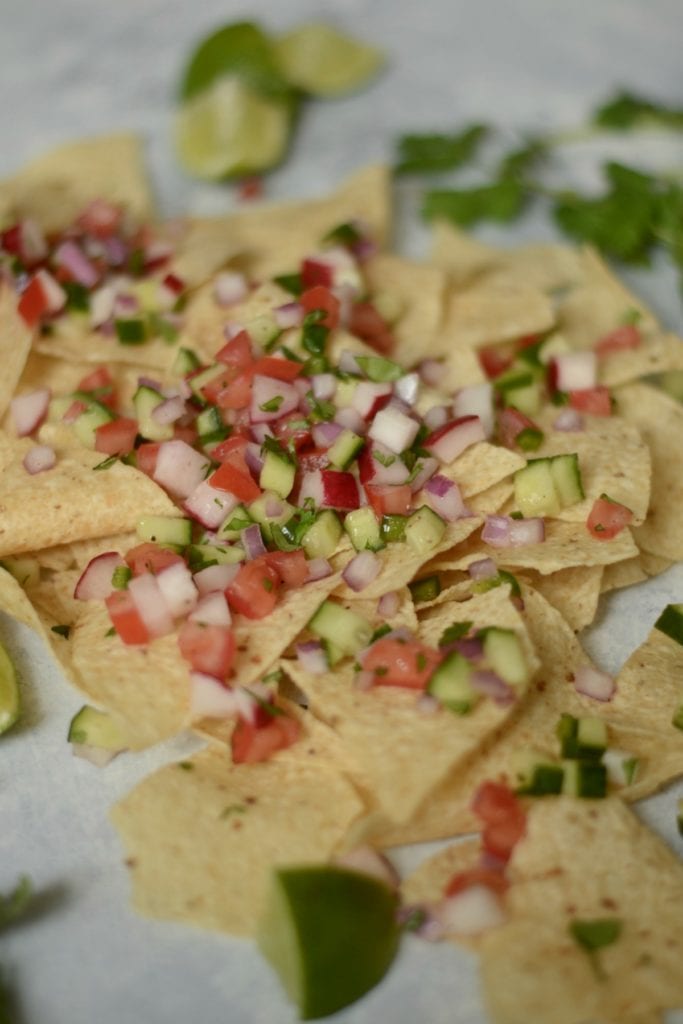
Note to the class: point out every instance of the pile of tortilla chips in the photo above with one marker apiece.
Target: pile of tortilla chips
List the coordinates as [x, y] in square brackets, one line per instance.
[371, 766]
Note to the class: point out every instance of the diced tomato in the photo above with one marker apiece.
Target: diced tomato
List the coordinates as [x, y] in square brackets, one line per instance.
[237, 352]
[232, 446]
[492, 879]
[97, 379]
[503, 818]
[149, 557]
[291, 566]
[74, 411]
[321, 298]
[595, 401]
[101, 218]
[10, 240]
[512, 422]
[607, 518]
[209, 649]
[254, 591]
[212, 389]
[38, 298]
[146, 457]
[366, 323]
[250, 743]
[315, 458]
[237, 394]
[279, 369]
[315, 272]
[527, 341]
[396, 662]
[250, 188]
[495, 360]
[293, 430]
[389, 499]
[186, 432]
[126, 618]
[174, 284]
[626, 336]
[116, 437]
[235, 478]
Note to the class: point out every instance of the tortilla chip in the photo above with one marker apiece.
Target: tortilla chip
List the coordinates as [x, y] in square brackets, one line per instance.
[420, 293]
[653, 564]
[622, 574]
[15, 345]
[204, 318]
[54, 188]
[657, 353]
[481, 466]
[426, 884]
[574, 592]
[15, 603]
[484, 314]
[70, 502]
[202, 836]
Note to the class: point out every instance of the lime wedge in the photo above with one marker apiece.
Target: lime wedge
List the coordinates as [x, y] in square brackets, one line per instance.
[229, 130]
[241, 50]
[330, 933]
[9, 692]
[324, 62]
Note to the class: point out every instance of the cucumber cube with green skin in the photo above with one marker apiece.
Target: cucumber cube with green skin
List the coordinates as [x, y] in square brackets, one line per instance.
[237, 521]
[526, 398]
[587, 779]
[567, 478]
[210, 426]
[95, 415]
[450, 684]
[529, 439]
[145, 401]
[93, 728]
[379, 369]
[364, 529]
[345, 448]
[393, 528]
[670, 622]
[333, 653]
[345, 630]
[426, 589]
[278, 473]
[186, 361]
[201, 556]
[591, 737]
[535, 493]
[424, 530]
[322, 538]
[536, 774]
[263, 330]
[622, 767]
[504, 654]
[257, 511]
[513, 379]
[165, 530]
[203, 377]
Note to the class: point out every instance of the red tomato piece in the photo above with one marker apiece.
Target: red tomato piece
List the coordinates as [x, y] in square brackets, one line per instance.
[235, 478]
[126, 618]
[254, 591]
[209, 649]
[607, 518]
[101, 218]
[250, 743]
[231, 447]
[96, 380]
[149, 557]
[237, 352]
[396, 662]
[315, 272]
[492, 879]
[316, 458]
[321, 298]
[33, 303]
[626, 336]
[116, 437]
[237, 394]
[291, 566]
[389, 499]
[146, 457]
[213, 388]
[293, 430]
[250, 188]
[595, 401]
[503, 818]
[366, 323]
[174, 283]
[279, 369]
[495, 360]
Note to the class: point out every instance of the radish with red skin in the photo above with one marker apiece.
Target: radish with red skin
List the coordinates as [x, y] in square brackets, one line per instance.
[476, 400]
[210, 505]
[574, 371]
[179, 468]
[591, 682]
[29, 411]
[454, 437]
[178, 589]
[271, 399]
[329, 488]
[42, 296]
[369, 397]
[210, 698]
[94, 583]
[394, 429]
[150, 604]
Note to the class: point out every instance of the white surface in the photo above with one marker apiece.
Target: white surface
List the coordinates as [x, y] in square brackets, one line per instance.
[77, 67]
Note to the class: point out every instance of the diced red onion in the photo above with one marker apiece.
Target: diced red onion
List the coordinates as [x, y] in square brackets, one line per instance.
[179, 468]
[505, 532]
[212, 609]
[394, 428]
[351, 419]
[570, 420]
[472, 911]
[231, 329]
[491, 685]
[149, 382]
[370, 862]
[39, 458]
[94, 583]
[177, 589]
[389, 604]
[216, 577]
[260, 431]
[71, 257]
[482, 569]
[230, 287]
[210, 698]
[253, 458]
[471, 647]
[209, 505]
[476, 400]
[407, 388]
[591, 682]
[318, 569]
[150, 604]
[426, 704]
[312, 658]
[274, 507]
[324, 386]
[431, 371]
[29, 410]
[449, 441]
[444, 497]
[291, 314]
[125, 305]
[252, 541]
[361, 570]
[347, 363]
[169, 411]
[267, 390]
[576, 371]
[115, 250]
[325, 434]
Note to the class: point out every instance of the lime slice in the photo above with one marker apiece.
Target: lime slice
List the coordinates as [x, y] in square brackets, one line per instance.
[330, 933]
[9, 692]
[229, 130]
[324, 62]
[241, 50]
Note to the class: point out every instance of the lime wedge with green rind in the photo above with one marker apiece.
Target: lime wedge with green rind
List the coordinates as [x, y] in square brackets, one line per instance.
[241, 50]
[10, 704]
[330, 933]
[229, 131]
[322, 61]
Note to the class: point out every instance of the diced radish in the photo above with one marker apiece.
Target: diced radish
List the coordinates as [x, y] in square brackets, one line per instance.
[569, 420]
[575, 371]
[42, 296]
[444, 497]
[472, 911]
[389, 604]
[210, 698]
[32, 245]
[362, 570]
[424, 469]
[435, 417]
[177, 589]
[151, 606]
[209, 505]
[348, 363]
[102, 305]
[431, 371]
[408, 387]
[324, 386]
[215, 577]
[377, 464]
[369, 396]
[591, 682]
[271, 399]
[213, 610]
[169, 411]
[39, 458]
[351, 419]
[30, 410]
[330, 489]
[179, 468]
[453, 438]
[290, 314]
[476, 400]
[393, 428]
[94, 583]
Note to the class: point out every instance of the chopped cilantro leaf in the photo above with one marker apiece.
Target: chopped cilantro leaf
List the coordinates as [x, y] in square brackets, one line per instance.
[595, 934]
[272, 405]
[110, 632]
[186, 766]
[61, 631]
[231, 809]
[346, 234]
[15, 903]
[501, 201]
[435, 152]
[290, 283]
[455, 632]
[628, 110]
[106, 463]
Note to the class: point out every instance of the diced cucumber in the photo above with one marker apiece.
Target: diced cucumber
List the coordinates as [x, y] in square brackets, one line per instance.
[526, 398]
[345, 448]
[514, 379]
[204, 377]
[58, 406]
[278, 472]
[321, 538]
[186, 361]
[258, 511]
[567, 478]
[363, 529]
[201, 556]
[210, 426]
[393, 528]
[346, 389]
[536, 774]
[165, 530]
[622, 767]
[491, 582]
[26, 571]
[379, 369]
[504, 654]
[553, 345]
[345, 630]
[424, 530]
[333, 653]
[93, 728]
[95, 415]
[145, 401]
[237, 521]
[670, 622]
[535, 493]
[450, 684]
[584, 737]
[586, 779]
[263, 330]
[426, 589]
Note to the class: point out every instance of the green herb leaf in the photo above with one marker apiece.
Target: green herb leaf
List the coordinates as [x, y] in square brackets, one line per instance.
[61, 631]
[272, 405]
[519, 162]
[433, 153]
[628, 110]
[106, 463]
[14, 904]
[595, 934]
[502, 201]
[455, 632]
